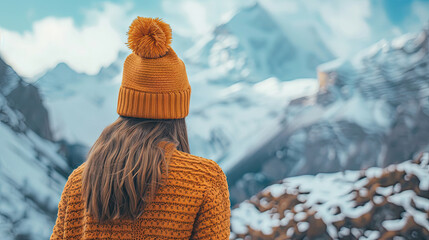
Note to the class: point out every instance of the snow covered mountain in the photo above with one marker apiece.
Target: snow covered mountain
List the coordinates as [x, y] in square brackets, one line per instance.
[81, 105]
[251, 46]
[372, 110]
[33, 169]
[238, 78]
[374, 203]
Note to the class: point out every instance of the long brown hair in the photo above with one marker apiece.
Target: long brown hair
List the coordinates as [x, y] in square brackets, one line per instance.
[125, 166]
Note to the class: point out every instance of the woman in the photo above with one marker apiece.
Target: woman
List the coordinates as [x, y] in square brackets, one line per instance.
[139, 181]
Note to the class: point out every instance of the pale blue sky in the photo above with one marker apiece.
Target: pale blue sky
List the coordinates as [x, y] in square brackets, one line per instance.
[37, 35]
[19, 15]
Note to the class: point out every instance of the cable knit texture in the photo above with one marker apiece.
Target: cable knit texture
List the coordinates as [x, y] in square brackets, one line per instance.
[193, 204]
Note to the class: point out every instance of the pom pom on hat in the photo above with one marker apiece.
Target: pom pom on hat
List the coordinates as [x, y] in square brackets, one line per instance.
[149, 37]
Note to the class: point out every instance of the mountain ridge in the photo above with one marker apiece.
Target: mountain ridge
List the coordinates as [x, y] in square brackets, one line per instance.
[371, 111]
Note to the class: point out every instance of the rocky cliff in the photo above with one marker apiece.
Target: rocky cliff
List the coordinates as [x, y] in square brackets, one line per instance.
[26, 99]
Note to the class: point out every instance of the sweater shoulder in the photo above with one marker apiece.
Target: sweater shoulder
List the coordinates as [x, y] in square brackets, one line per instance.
[74, 181]
[207, 170]
[76, 175]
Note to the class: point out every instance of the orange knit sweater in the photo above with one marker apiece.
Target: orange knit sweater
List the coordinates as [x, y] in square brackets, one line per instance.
[193, 204]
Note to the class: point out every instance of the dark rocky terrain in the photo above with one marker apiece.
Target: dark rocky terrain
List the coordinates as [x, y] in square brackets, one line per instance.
[374, 203]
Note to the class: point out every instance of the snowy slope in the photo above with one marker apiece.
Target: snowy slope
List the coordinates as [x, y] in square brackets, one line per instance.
[32, 170]
[374, 203]
[372, 110]
[241, 117]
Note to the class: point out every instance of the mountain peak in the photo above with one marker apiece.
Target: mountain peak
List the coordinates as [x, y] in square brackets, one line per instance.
[62, 67]
[253, 16]
[9, 79]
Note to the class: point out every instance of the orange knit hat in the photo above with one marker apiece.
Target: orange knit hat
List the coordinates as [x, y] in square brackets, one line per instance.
[154, 82]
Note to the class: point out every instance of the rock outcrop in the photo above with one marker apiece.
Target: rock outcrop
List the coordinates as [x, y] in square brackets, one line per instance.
[25, 98]
[374, 203]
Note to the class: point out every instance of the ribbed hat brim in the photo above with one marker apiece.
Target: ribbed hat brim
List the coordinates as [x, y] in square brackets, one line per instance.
[168, 105]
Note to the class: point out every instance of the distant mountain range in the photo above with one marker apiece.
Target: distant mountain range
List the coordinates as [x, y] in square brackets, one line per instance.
[81, 105]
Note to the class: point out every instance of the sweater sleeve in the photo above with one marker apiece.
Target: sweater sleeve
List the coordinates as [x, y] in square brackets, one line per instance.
[58, 230]
[213, 218]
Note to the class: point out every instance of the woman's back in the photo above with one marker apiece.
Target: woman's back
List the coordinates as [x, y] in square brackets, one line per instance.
[193, 204]
[135, 183]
